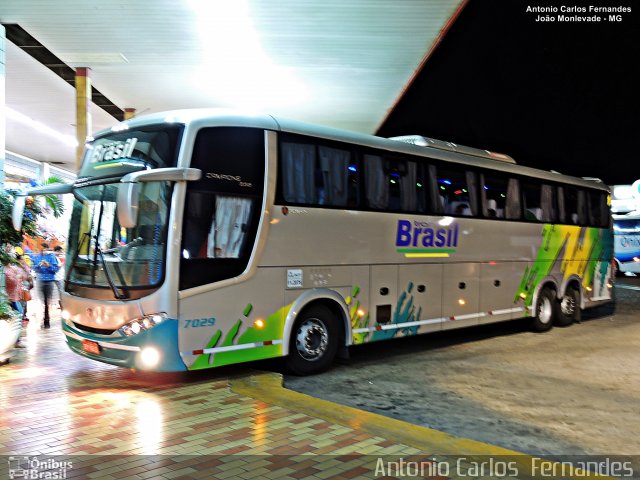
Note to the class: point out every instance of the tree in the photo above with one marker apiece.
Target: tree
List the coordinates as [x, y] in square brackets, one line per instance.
[10, 236]
[33, 210]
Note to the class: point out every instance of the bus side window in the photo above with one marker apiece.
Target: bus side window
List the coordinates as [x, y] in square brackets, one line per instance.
[394, 184]
[334, 165]
[531, 201]
[493, 195]
[422, 186]
[376, 182]
[454, 189]
[598, 211]
[562, 216]
[298, 163]
[513, 207]
[576, 206]
[408, 188]
[229, 226]
[436, 200]
[548, 203]
[583, 214]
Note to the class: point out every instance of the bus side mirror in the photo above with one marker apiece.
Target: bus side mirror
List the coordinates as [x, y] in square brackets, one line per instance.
[129, 189]
[17, 212]
[21, 200]
[127, 204]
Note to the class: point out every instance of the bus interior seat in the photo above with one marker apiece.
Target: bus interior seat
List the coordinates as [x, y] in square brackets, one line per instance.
[457, 208]
[492, 209]
[533, 214]
[537, 212]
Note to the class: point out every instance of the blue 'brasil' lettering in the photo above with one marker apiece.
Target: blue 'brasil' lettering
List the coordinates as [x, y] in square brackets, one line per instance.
[421, 234]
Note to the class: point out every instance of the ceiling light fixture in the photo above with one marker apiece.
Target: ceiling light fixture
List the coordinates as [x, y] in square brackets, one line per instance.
[91, 59]
[235, 67]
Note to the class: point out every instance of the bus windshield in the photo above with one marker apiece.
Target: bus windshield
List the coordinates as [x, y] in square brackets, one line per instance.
[106, 261]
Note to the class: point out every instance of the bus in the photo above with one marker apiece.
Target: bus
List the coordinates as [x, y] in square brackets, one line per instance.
[203, 238]
[626, 236]
[625, 206]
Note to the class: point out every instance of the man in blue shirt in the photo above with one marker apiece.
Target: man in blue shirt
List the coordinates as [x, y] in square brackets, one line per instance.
[45, 264]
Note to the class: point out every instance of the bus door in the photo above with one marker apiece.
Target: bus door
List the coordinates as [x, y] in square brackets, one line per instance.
[461, 294]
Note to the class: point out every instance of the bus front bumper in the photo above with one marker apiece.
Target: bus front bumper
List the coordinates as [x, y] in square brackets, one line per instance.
[155, 349]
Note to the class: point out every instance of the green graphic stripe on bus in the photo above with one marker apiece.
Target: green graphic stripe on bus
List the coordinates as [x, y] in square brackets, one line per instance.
[357, 316]
[405, 312]
[582, 250]
[272, 329]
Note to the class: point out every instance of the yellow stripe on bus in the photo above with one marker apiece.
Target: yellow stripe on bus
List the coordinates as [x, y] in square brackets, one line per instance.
[424, 255]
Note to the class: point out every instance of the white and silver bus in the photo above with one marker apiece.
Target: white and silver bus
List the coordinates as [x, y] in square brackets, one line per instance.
[625, 206]
[626, 246]
[201, 238]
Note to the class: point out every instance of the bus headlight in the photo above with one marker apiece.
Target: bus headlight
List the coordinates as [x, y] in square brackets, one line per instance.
[150, 357]
[141, 324]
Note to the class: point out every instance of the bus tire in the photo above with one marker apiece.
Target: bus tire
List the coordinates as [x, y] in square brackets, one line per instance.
[568, 308]
[314, 341]
[545, 311]
[618, 269]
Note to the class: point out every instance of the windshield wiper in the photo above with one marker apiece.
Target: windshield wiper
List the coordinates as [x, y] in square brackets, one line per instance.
[107, 273]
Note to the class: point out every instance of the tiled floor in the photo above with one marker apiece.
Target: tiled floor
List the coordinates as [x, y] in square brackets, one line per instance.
[114, 423]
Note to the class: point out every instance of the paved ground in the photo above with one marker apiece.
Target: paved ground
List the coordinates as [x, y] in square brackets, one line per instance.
[572, 390]
[111, 423]
[64, 416]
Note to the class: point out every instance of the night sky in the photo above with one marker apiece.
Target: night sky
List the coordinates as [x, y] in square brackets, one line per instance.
[554, 95]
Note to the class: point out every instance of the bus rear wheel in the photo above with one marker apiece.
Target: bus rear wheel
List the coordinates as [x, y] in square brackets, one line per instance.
[314, 341]
[545, 311]
[569, 308]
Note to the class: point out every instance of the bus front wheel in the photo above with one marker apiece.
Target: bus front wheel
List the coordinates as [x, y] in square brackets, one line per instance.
[545, 312]
[314, 341]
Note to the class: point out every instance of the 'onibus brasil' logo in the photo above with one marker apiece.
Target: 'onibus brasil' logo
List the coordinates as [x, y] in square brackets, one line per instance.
[420, 239]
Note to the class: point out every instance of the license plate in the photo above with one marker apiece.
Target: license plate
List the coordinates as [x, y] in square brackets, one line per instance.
[91, 347]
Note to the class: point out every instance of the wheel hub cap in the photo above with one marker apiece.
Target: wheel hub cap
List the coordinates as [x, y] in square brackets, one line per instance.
[312, 339]
[545, 311]
[568, 306]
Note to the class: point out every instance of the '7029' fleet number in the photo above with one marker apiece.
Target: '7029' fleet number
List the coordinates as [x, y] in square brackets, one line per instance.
[200, 322]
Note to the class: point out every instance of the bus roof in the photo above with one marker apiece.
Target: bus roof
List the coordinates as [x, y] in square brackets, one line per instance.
[203, 117]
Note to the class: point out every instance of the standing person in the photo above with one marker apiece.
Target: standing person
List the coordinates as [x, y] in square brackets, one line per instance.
[27, 284]
[59, 252]
[14, 275]
[45, 265]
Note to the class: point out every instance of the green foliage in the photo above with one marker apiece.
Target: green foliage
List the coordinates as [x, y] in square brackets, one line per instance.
[8, 235]
[32, 211]
[54, 202]
[5, 309]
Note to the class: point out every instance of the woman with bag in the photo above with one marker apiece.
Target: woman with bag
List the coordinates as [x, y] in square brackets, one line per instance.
[14, 276]
[27, 284]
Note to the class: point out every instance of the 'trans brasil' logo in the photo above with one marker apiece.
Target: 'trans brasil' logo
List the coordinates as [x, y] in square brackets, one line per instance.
[420, 239]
